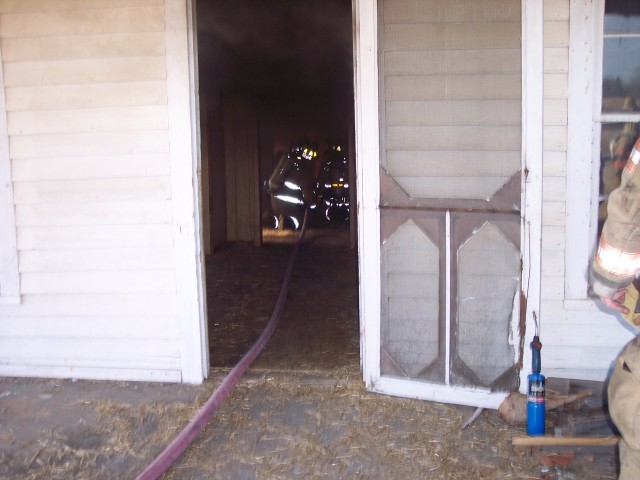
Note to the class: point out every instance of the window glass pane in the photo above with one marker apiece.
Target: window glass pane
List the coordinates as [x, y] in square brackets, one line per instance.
[621, 16]
[621, 74]
[617, 140]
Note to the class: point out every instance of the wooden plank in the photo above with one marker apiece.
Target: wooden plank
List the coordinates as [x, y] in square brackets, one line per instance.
[138, 118]
[556, 60]
[149, 373]
[94, 167]
[96, 190]
[552, 288]
[554, 214]
[121, 213]
[95, 260]
[403, 11]
[466, 138]
[453, 112]
[555, 112]
[81, 144]
[556, 34]
[556, 86]
[455, 87]
[578, 441]
[83, 21]
[93, 305]
[70, 47]
[555, 189]
[556, 10]
[427, 163]
[555, 163]
[15, 6]
[67, 97]
[553, 238]
[452, 62]
[77, 72]
[106, 282]
[610, 333]
[462, 36]
[110, 236]
[555, 138]
[552, 263]
[161, 326]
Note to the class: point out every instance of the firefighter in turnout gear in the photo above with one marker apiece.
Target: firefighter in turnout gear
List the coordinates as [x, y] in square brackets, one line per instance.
[614, 269]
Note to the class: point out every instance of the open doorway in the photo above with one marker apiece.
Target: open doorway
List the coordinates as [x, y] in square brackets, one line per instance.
[270, 75]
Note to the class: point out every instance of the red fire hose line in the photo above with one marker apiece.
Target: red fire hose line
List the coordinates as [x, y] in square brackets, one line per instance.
[172, 452]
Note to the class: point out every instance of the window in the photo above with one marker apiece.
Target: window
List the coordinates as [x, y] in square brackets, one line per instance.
[620, 107]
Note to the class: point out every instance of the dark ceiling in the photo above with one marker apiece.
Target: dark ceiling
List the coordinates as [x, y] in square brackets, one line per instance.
[275, 45]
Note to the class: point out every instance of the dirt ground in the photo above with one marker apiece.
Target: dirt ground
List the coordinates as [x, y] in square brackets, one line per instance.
[300, 411]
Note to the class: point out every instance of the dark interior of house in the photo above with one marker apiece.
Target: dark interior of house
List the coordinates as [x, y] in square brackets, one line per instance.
[275, 78]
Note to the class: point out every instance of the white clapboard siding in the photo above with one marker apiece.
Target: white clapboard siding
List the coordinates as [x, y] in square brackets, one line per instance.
[554, 164]
[14, 6]
[93, 306]
[94, 167]
[65, 97]
[106, 281]
[99, 236]
[152, 117]
[151, 212]
[102, 70]
[93, 190]
[69, 47]
[78, 144]
[89, 21]
[88, 124]
[81, 260]
[82, 327]
[554, 213]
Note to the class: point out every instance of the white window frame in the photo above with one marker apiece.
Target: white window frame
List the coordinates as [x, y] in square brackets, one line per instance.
[9, 274]
[583, 148]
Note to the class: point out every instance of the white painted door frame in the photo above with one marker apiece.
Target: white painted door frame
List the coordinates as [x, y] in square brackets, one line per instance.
[368, 183]
[184, 134]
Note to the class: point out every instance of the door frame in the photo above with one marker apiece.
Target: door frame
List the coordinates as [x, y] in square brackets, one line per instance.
[367, 111]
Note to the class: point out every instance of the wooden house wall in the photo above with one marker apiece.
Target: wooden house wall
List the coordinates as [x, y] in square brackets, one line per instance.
[86, 98]
[579, 340]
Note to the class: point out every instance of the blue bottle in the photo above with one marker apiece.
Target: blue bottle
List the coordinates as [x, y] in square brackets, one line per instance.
[535, 405]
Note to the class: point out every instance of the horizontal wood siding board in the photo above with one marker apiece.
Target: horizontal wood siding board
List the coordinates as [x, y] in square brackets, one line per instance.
[452, 62]
[16, 6]
[114, 328]
[555, 10]
[70, 47]
[556, 85]
[556, 60]
[462, 36]
[142, 189]
[123, 213]
[78, 72]
[454, 87]
[117, 372]
[554, 213]
[459, 139]
[82, 21]
[453, 112]
[555, 112]
[110, 236]
[96, 166]
[80, 144]
[555, 164]
[443, 11]
[138, 118]
[93, 305]
[553, 263]
[556, 34]
[555, 138]
[96, 260]
[88, 349]
[555, 189]
[66, 97]
[553, 238]
[108, 281]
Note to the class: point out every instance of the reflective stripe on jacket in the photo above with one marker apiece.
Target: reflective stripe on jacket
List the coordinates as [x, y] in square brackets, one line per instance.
[618, 257]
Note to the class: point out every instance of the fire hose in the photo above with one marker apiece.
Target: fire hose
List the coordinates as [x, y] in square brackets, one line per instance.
[180, 443]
